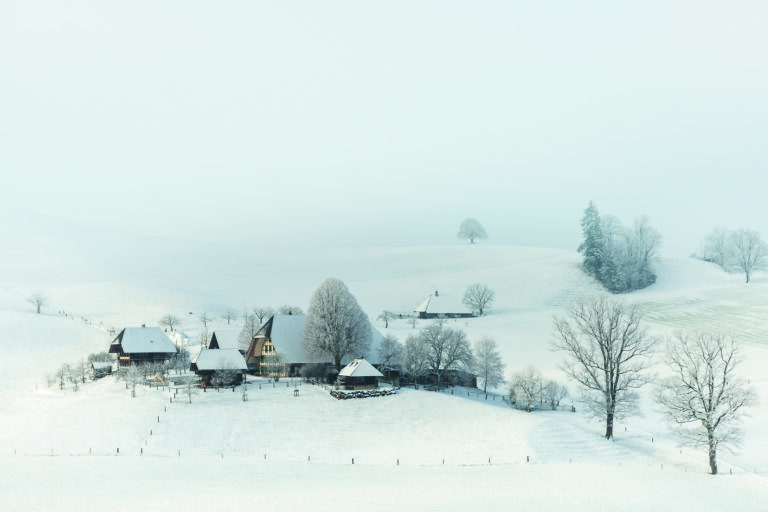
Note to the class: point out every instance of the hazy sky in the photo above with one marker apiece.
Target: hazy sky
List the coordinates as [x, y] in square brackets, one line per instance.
[355, 123]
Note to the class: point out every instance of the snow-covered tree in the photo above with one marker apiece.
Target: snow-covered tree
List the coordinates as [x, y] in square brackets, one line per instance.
[385, 316]
[704, 397]
[226, 375]
[445, 349]
[593, 246]
[336, 326]
[553, 393]
[390, 351]
[63, 375]
[478, 297]
[488, 364]
[525, 387]
[750, 252]
[248, 332]
[39, 300]
[470, 229]
[717, 248]
[170, 321]
[273, 365]
[607, 349]
[205, 319]
[133, 376]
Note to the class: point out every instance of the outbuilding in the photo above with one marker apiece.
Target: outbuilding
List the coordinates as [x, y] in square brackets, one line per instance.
[359, 374]
[219, 367]
[142, 345]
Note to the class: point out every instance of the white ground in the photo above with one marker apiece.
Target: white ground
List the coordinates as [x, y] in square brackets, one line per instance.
[59, 447]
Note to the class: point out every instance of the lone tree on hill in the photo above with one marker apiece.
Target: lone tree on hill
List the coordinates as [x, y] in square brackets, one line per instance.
[471, 230]
[488, 364]
[38, 300]
[478, 297]
[335, 324]
[704, 397]
[607, 351]
[263, 312]
[750, 252]
[229, 315]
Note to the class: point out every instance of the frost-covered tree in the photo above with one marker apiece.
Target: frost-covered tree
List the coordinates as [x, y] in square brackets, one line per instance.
[336, 325]
[133, 376]
[525, 387]
[226, 375]
[478, 297]
[63, 375]
[385, 316]
[390, 352]
[488, 364]
[248, 332]
[606, 348]
[273, 365]
[704, 397]
[445, 349]
[553, 393]
[717, 248]
[750, 252]
[263, 313]
[470, 229]
[170, 321]
[287, 309]
[205, 319]
[39, 300]
[593, 246]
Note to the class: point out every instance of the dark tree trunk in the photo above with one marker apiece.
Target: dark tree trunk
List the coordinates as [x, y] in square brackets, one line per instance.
[712, 452]
[609, 425]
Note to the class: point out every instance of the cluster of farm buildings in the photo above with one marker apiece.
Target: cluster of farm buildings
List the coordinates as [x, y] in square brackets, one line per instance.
[226, 350]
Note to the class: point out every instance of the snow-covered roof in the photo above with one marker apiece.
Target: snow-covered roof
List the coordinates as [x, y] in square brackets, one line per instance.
[360, 368]
[285, 332]
[226, 338]
[220, 359]
[101, 366]
[442, 303]
[144, 340]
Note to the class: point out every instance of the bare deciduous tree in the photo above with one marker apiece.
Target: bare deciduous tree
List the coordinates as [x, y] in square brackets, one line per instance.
[414, 358]
[750, 252]
[553, 392]
[205, 318]
[704, 397]
[445, 349]
[478, 297]
[607, 351]
[39, 300]
[488, 364]
[262, 313]
[336, 325]
[134, 375]
[470, 229]
[386, 316]
[717, 247]
[390, 351]
[248, 332]
[526, 387]
[229, 315]
[170, 321]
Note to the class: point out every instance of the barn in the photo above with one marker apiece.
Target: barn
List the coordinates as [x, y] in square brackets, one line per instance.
[219, 367]
[142, 345]
[441, 305]
[359, 374]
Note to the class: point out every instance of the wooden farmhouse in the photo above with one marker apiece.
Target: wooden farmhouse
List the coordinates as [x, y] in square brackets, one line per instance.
[283, 335]
[439, 305]
[219, 367]
[100, 369]
[141, 345]
[359, 374]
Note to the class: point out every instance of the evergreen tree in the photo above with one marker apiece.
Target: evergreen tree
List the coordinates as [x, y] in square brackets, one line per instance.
[593, 246]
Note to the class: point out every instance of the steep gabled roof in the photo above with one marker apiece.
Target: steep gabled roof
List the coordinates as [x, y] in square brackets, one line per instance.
[285, 332]
[225, 338]
[442, 303]
[359, 368]
[142, 340]
[219, 359]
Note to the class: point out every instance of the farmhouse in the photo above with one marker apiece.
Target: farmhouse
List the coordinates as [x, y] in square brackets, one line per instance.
[219, 367]
[140, 345]
[100, 369]
[359, 374]
[439, 305]
[283, 335]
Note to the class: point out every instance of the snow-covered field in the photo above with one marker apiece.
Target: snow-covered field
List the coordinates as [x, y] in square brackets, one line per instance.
[415, 450]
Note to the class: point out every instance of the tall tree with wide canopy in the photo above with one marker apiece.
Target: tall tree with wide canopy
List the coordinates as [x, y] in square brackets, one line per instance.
[336, 326]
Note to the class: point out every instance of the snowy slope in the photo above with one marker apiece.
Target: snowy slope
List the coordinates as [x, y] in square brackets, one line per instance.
[420, 429]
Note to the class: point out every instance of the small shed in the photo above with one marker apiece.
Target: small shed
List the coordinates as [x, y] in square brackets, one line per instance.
[441, 305]
[219, 367]
[359, 374]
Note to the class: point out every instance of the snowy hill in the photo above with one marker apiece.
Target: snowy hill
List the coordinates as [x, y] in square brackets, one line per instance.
[304, 445]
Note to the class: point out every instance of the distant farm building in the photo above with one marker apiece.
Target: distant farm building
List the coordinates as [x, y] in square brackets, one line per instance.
[99, 370]
[359, 374]
[219, 367]
[438, 305]
[142, 345]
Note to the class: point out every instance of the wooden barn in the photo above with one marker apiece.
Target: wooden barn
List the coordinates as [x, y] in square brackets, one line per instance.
[142, 345]
[439, 305]
[219, 367]
[359, 374]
